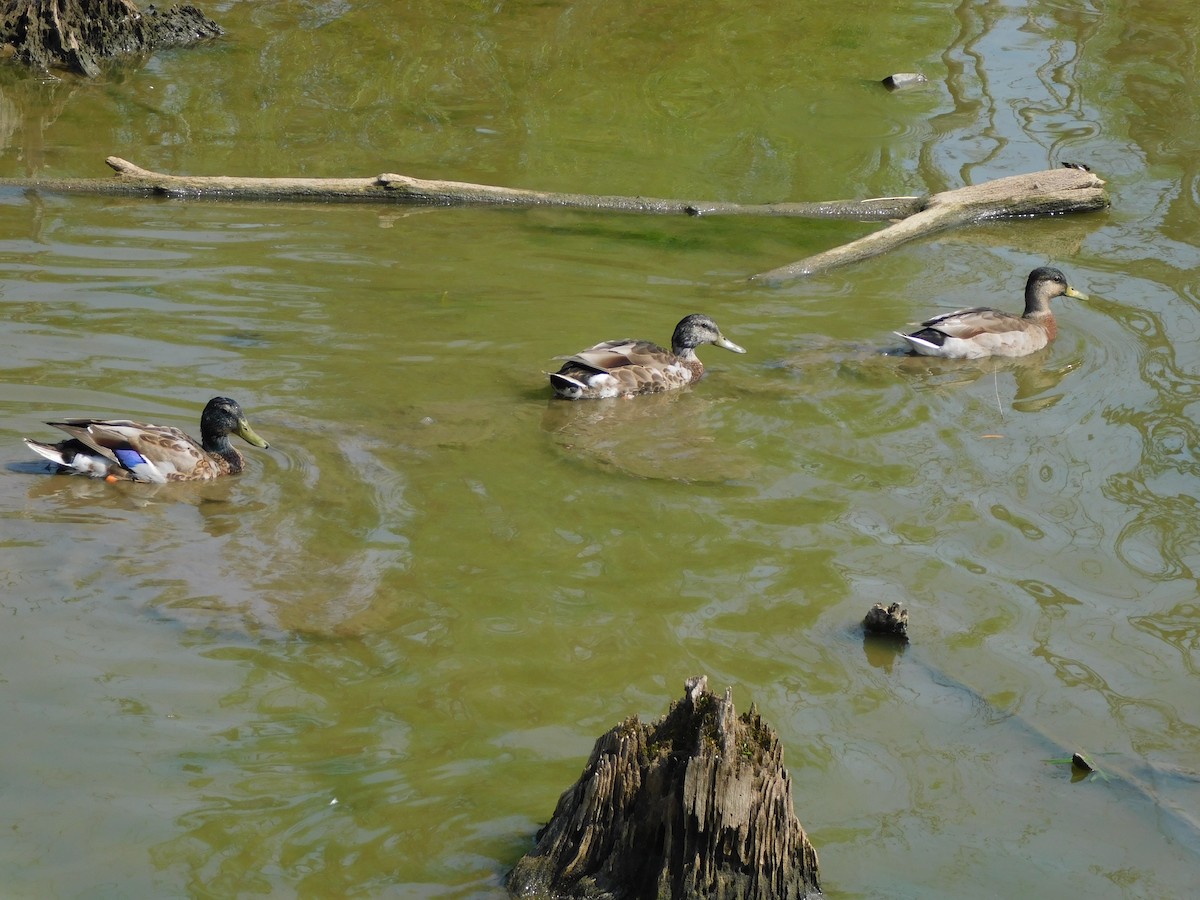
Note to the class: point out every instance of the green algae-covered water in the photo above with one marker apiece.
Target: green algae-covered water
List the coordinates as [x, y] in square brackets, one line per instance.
[368, 666]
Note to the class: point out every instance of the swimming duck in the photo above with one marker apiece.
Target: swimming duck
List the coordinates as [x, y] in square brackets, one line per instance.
[982, 331]
[120, 450]
[627, 367]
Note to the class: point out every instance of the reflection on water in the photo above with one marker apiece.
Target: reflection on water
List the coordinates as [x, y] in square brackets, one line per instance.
[369, 664]
[672, 436]
[1036, 378]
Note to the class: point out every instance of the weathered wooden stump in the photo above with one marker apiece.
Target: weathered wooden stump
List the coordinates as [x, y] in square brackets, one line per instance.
[79, 34]
[891, 621]
[695, 805]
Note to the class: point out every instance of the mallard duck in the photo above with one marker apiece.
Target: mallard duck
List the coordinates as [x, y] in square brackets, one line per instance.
[120, 450]
[628, 367]
[982, 331]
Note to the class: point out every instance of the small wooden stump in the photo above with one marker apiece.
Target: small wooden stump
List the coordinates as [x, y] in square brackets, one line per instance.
[80, 34]
[695, 805]
[892, 621]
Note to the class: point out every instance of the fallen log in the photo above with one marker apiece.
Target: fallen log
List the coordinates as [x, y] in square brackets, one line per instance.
[1050, 193]
[697, 805]
[132, 181]
[1054, 192]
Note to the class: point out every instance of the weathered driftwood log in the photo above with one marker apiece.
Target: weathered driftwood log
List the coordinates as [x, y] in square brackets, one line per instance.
[132, 180]
[697, 805]
[78, 34]
[1050, 193]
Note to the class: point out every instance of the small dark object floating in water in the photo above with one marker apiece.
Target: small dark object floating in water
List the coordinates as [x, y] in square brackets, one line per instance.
[892, 621]
[1079, 761]
[902, 80]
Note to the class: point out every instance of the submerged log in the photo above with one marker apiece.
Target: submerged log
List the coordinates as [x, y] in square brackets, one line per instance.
[695, 805]
[1149, 787]
[78, 34]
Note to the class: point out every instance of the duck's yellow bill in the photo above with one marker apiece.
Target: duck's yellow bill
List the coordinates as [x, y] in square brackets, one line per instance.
[246, 433]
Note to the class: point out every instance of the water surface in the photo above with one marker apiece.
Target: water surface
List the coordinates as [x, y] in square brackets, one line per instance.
[369, 666]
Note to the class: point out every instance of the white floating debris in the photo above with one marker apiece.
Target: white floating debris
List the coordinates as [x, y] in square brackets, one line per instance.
[902, 80]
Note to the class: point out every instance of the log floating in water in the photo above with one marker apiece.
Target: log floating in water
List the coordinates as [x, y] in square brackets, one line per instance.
[695, 805]
[1049, 193]
[133, 181]
[1054, 192]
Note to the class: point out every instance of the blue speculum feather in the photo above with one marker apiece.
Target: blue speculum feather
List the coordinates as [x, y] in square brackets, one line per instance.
[130, 458]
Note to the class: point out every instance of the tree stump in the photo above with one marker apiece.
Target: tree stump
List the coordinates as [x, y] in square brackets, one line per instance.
[695, 805]
[891, 621]
[77, 34]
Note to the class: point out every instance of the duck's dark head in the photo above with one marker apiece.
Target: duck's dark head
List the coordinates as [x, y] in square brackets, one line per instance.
[223, 417]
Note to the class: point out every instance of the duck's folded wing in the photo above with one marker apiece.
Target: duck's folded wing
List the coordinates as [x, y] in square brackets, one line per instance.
[616, 355]
[97, 435]
[969, 323]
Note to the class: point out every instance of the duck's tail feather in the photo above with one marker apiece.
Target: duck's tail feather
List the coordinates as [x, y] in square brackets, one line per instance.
[71, 457]
[918, 343]
[566, 386]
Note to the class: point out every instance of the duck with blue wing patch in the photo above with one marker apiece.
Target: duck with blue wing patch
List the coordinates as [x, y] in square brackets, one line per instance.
[121, 450]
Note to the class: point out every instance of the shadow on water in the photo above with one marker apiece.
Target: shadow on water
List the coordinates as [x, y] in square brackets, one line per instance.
[670, 436]
[1036, 383]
